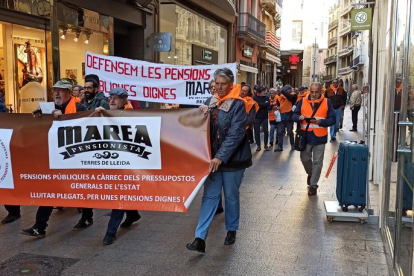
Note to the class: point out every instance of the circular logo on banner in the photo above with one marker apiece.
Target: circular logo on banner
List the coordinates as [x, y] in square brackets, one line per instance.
[361, 17]
[4, 162]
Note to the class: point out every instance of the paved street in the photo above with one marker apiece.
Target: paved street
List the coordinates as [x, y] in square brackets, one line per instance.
[282, 232]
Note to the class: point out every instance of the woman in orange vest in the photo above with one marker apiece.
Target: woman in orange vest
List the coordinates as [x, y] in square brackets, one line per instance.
[249, 103]
[317, 135]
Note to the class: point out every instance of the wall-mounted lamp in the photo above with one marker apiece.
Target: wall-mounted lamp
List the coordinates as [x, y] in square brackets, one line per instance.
[64, 31]
[78, 33]
[88, 36]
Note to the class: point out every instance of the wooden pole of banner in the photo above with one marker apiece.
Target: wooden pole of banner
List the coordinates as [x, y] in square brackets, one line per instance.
[334, 157]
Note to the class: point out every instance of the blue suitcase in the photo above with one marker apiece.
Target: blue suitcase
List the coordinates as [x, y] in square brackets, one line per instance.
[351, 184]
[408, 179]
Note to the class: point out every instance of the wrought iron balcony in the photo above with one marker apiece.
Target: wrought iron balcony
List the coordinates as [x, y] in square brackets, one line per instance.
[344, 27]
[330, 59]
[356, 62]
[346, 8]
[332, 41]
[345, 70]
[346, 51]
[328, 78]
[333, 24]
[251, 27]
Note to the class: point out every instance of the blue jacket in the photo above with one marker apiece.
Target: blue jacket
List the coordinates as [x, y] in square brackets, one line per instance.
[311, 138]
[228, 137]
[3, 108]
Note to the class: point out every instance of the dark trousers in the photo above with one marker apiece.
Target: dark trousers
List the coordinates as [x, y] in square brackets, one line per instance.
[264, 124]
[249, 132]
[42, 217]
[14, 210]
[87, 214]
[281, 127]
[355, 117]
[116, 219]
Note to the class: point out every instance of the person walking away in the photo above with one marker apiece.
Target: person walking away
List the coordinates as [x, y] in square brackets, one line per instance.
[355, 102]
[286, 101]
[337, 96]
[232, 155]
[65, 103]
[272, 117]
[118, 100]
[317, 135]
[398, 94]
[247, 95]
[261, 119]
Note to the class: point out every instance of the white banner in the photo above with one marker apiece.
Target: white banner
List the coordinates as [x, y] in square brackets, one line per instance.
[153, 82]
[105, 143]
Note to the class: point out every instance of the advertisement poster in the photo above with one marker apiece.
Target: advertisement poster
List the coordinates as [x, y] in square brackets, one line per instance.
[136, 160]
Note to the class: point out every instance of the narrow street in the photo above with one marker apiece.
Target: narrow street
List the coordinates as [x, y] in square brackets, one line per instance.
[282, 232]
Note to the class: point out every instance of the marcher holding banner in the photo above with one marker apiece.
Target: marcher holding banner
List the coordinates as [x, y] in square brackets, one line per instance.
[65, 103]
[232, 155]
[118, 100]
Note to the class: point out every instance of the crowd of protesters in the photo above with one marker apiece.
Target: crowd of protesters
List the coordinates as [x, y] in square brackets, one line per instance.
[239, 115]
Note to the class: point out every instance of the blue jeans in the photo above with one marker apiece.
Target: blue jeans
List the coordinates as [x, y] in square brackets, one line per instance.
[273, 128]
[230, 181]
[334, 128]
[116, 219]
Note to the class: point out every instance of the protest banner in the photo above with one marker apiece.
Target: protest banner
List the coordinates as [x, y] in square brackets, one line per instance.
[136, 160]
[153, 82]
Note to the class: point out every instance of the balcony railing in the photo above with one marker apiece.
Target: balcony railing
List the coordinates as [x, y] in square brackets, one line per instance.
[333, 24]
[357, 62]
[344, 27]
[330, 59]
[328, 78]
[333, 41]
[273, 40]
[251, 26]
[346, 8]
[345, 70]
[346, 51]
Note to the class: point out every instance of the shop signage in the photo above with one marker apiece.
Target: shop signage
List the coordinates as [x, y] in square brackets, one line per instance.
[247, 51]
[161, 42]
[153, 82]
[293, 67]
[81, 17]
[111, 160]
[203, 56]
[361, 19]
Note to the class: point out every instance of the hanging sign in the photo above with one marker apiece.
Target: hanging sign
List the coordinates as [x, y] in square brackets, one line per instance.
[361, 19]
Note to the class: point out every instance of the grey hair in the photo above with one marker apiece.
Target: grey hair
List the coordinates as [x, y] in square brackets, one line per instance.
[318, 84]
[78, 86]
[272, 90]
[355, 85]
[224, 72]
[209, 84]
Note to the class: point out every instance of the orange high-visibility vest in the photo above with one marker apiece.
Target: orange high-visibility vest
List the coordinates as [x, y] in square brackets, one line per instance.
[272, 116]
[285, 104]
[321, 114]
[303, 95]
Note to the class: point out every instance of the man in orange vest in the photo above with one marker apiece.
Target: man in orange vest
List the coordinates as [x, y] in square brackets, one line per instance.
[65, 103]
[272, 118]
[317, 135]
[285, 102]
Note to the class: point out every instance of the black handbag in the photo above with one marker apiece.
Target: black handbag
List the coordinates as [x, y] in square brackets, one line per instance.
[300, 137]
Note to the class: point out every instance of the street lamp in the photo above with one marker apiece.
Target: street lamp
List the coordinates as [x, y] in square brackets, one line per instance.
[314, 60]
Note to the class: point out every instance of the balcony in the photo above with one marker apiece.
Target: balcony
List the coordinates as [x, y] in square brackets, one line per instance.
[328, 78]
[330, 59]
[251, 28]
[344, 27]
[345, 70]
[272, 42]
[346, 8]
[272, 6]
[332, 41]
[357, 62]
[333, 25]
[346, 51]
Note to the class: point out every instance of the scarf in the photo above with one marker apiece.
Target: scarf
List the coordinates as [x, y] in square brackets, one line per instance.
[334, 89]
[226, 102]
[398, 89]
[128, 106]
[249, 103]
[71, 106]
[318, 101]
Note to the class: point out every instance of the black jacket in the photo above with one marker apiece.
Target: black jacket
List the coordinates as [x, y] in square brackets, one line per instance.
[228, 137]
[97, 101]
[337, 100]
[263, 103]
[3, 108]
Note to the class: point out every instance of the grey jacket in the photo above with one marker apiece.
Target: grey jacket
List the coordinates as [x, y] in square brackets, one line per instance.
[99, 100]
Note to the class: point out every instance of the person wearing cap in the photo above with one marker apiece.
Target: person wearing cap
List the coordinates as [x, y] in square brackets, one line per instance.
[118, 100]
[65, 103]
[262, 116]
[285, 102]
[93, 98]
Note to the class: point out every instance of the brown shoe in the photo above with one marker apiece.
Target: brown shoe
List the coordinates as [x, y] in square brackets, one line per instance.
[312, 191]
[309, 178]
[258, 149]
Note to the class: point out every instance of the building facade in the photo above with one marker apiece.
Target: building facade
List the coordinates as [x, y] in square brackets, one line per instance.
[331, 61]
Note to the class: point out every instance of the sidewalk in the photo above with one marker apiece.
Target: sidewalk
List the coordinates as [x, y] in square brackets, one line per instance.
[282, 232]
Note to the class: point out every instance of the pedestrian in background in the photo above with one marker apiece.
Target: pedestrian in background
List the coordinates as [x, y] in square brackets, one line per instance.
[273, 107]
[355, 105]
[232, 155]
[76, 92]
[337, 96]
[262, 116]
[251, 109]
[317, 135]
[285, 102]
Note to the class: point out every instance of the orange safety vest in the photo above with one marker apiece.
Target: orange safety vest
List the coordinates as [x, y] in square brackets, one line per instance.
[285, 104]
[321, 114]
[301, 96]
[272, 116]
[249, 103]
[71, 107]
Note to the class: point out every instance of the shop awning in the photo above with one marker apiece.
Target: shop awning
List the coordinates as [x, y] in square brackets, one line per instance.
[248, 69]
[272, 58]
